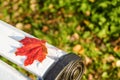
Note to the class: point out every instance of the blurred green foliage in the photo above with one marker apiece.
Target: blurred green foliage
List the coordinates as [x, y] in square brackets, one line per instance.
[90, 28]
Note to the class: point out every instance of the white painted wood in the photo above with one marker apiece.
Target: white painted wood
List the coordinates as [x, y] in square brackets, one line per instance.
[9, 73]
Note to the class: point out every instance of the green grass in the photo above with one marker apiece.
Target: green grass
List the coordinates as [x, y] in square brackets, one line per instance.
[90, 28]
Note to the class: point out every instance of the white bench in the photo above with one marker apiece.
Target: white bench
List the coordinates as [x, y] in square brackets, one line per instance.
[9, 42]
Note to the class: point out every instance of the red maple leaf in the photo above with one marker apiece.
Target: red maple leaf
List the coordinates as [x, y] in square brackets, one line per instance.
[33, 48]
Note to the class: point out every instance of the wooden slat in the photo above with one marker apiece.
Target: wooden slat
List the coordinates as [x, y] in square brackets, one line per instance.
[9, 73]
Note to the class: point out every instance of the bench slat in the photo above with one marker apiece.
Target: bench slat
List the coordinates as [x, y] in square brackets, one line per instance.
[10, 37]
[9, 73]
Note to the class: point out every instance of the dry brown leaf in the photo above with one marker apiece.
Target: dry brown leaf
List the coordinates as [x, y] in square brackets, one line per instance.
[19, 26]
[88, 60]
[45, 29]
[116, 48]
[78, 49]
[74, 37]
[90, 77]
[118, 63]
[110, 58]
[27, 26]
